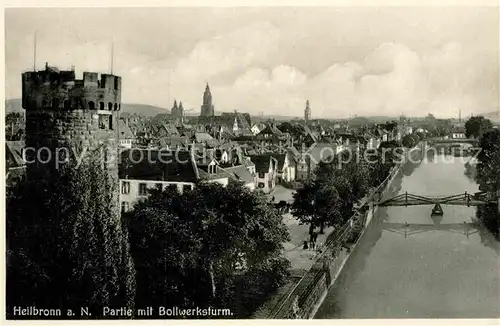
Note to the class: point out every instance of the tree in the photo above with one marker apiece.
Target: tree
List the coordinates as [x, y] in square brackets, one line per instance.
[330, 198]
[188, 248]
[477, 126]
[65, 242]
[410, 140]
[489, 159]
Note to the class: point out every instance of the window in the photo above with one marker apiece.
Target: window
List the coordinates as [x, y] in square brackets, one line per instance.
[116, 106]
[262, 175]
[101, 105]
[103, 121]
[261, 185]
[116, 83]
[125, 207]
[110, 106]
[110, 122]
[91, 105]
[125, 187]
[143, 190]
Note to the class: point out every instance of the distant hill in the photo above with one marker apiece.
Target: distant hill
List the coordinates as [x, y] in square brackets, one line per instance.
[14, 105]
[144, 109]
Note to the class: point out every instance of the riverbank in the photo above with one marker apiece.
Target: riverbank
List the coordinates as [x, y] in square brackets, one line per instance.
[433, 269]
[310, 289]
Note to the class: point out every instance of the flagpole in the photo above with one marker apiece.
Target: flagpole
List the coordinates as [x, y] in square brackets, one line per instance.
[34, 51]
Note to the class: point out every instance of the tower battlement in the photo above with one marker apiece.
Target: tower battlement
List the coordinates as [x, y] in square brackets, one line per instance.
[52, 89]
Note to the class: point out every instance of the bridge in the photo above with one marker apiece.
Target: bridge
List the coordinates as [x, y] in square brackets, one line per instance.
[452, 141]
[464, 199]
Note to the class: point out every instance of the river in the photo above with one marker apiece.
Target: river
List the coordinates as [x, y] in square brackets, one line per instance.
[427, 273]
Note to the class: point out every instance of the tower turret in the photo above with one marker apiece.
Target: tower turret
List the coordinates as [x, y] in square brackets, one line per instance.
[66, 116]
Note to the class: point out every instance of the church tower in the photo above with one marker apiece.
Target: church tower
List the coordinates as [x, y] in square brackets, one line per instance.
[207, 108]
[174, 112]
[307, 112]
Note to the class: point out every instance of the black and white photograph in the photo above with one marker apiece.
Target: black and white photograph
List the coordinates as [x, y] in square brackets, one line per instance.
[252, 162]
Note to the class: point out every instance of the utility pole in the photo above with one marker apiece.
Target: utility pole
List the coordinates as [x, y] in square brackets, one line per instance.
[112, 54]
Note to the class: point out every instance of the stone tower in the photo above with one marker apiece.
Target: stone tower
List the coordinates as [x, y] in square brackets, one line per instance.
[307, 112]
[207, 108]
[65, 115]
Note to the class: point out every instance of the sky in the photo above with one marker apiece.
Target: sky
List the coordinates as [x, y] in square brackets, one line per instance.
[345, 60]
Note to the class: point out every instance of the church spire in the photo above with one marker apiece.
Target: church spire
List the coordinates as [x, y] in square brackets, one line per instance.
[175, 104]
[307, 112]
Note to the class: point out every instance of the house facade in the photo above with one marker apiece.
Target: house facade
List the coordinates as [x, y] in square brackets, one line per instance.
[266, 171]
[179, 170]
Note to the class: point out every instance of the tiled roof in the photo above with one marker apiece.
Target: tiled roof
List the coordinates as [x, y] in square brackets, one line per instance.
[203, 137]
[152, 164]
[241, 173]
[173, 141]
[15, 148]
[125, 131]
[170, 129]
[262, 162]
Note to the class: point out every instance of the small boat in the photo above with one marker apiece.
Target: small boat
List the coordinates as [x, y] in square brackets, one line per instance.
[437, 210]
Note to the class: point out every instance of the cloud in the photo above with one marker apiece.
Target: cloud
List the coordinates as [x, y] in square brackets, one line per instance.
[393, 79]
[275, 67]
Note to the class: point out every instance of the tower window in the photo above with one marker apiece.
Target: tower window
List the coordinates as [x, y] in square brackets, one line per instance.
[101, 105]
[91, 105]
[116, 83]
[110, 106]
[116, 106]
[110, 122]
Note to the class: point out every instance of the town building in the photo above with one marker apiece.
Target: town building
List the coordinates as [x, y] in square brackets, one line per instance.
[266, 167]
[181, 170]
[458, 133]
[127, 138]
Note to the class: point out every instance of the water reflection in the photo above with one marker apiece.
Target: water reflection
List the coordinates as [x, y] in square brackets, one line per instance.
[410, 264]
